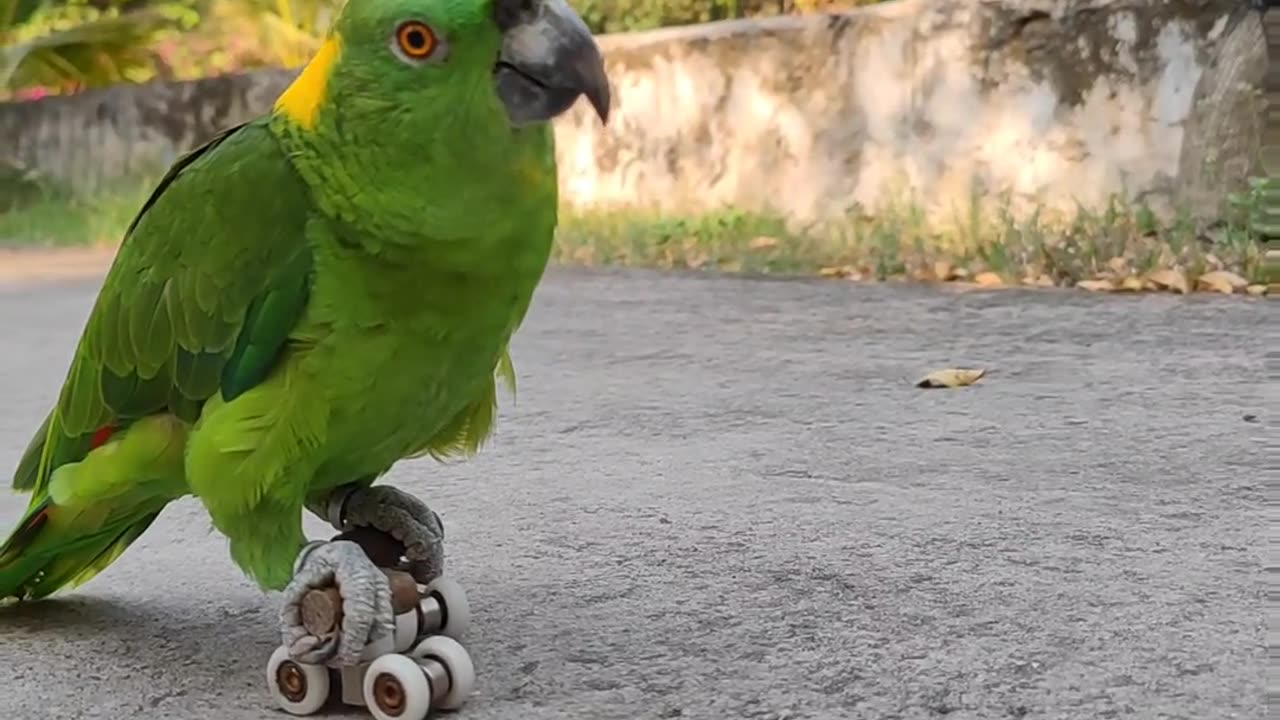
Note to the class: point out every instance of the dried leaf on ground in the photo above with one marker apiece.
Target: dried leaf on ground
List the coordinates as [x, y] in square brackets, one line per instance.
[944, 270]
[1223, 281]
[988, 279]
[951, 378]
[1170, 279]
[1096, 285]
[1256, 290]
[1133, 283]
[764, 242]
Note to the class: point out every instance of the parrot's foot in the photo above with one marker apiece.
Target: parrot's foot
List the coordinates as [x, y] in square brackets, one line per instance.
[367, 618]
[400, 515]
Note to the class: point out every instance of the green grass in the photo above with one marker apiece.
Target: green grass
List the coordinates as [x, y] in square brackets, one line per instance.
[899, 242]
[984, 241]
[54, 220]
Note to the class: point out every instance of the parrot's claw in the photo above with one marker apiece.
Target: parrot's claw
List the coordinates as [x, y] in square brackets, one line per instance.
[367, 617]
[400, 515]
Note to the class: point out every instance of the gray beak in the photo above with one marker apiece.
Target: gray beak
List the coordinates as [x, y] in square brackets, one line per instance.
[548, 59]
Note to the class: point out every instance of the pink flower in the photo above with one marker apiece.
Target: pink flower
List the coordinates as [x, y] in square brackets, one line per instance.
[29, 94]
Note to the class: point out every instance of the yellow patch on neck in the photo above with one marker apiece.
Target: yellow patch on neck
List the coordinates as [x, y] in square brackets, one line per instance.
[301, 101]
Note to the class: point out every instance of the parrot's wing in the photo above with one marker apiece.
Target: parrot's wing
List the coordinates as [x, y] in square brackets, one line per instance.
[212, 276]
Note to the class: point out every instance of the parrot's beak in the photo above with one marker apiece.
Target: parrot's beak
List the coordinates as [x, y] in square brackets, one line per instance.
[548, 59]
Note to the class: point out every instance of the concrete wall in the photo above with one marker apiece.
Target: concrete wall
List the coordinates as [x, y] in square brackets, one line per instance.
[1050, 102]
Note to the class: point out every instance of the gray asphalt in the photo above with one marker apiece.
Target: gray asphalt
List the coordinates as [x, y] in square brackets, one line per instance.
[723, 498]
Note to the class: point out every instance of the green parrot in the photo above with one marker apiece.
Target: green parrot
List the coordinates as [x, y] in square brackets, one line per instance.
[311, 297]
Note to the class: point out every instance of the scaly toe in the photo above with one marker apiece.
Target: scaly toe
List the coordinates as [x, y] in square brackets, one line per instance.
[366, 605]
[405, 518]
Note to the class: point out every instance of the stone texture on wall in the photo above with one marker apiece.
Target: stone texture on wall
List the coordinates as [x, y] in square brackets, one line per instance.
[1222, 135]
[90, 139]
[1053, 102]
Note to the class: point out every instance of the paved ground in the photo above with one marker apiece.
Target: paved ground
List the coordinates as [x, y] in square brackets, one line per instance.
[723, 499]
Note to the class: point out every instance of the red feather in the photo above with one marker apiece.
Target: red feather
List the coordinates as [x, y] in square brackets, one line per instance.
[101, 437]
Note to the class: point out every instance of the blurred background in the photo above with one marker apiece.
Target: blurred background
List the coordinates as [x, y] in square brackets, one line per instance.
[1105, 144]
[58, 46]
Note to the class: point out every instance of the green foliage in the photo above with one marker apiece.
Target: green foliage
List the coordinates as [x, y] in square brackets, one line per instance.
[1258, 208]
[45, 215]
[17, 12]
[77, 43]
[620, 15]
[631, 15]
[74, 44]
[898, 241]
[275, 32]
[18, 187]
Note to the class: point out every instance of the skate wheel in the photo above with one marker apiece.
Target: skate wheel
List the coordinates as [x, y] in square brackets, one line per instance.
[396, 688]
[298, 688]
[456, 661]
[453, 599]
[406, 630]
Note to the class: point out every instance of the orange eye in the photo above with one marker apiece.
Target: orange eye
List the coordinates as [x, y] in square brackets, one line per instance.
[416, 39]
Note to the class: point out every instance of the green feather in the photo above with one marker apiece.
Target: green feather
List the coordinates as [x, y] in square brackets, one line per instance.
[303, 301]
[160, 337]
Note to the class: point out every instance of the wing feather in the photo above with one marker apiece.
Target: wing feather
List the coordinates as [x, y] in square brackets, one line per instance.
[212, 276]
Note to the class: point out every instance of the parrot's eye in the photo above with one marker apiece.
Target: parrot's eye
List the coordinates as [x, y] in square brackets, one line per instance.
[415, 40]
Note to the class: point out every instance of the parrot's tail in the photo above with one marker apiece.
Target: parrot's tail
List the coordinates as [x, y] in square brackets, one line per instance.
[52, 549]
[85, 513]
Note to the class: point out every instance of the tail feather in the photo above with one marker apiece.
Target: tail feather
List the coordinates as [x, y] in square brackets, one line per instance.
[91, 497]
[27, 473]
[42, 557]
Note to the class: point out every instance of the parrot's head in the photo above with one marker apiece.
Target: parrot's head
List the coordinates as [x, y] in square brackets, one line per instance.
[437, 63]
[436, 113]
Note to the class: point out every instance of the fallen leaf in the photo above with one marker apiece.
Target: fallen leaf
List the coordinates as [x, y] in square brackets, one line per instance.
[1223, 281]
[1096, 285]
[1170, 279]
[841, 271]
[943, 270]
[951, 378]
[960, 273]
[1133, 283]
[1041, 280]
[763, 242]
[988, 279]
[696, 260]
[1256, 290]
